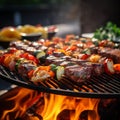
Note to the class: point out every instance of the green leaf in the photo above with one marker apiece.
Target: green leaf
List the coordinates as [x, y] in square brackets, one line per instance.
[110, 31]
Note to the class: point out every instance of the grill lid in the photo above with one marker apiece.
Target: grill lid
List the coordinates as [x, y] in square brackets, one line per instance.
[104, 86]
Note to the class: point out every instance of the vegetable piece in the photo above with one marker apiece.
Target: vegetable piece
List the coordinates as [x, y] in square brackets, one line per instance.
[18, 63]
[6, 59]
[30, 73]
[87, 51]
[108, 66]
[73, 47]
[50, 50]
[41, 55]
[47, 69]
[59, 72]
[51, 73]
[11, 50]
[109, 31]
[53, 67]
[69, 37]
[116, 68]
[41, 73]
[94, 58]
[103, 43]
[84, 56]
[29, 57]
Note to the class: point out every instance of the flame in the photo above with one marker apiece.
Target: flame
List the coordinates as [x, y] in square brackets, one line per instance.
[19, 104]
[54, 106]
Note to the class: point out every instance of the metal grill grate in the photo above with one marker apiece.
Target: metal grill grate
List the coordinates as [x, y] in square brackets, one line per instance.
[104, 86]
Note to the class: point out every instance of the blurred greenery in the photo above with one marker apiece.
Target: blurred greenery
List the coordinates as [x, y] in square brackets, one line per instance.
[109, 31]
[30, 2]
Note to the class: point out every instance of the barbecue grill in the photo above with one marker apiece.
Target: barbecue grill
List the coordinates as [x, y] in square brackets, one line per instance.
[103, 86]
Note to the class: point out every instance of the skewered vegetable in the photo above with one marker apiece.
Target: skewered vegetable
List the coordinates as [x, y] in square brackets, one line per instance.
[59, 72]
[78, 59]
[116, 68]
[108, 64]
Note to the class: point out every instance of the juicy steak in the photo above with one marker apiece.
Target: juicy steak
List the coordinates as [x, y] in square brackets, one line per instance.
[78, 73]
[114, 54]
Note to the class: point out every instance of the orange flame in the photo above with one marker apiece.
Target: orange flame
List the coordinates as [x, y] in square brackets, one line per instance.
[52, 107]
[19, 104]
[57, 103]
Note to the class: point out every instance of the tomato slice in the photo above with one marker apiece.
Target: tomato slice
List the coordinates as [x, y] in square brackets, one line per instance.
[12, 50]
[51, 73]
[108, 66]
[29, 57]
[84, 56]
[117, 68]
[103, 43]
[5, 59]
[23, 55]
[30, 73]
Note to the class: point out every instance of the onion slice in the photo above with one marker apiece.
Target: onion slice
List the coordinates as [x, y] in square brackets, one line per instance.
[108, 66]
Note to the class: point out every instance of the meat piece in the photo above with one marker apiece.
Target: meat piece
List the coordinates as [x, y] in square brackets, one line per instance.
[24, 67]
[97, 68]
[44, 48]
[58, 61]
[78, 61]
[50, 59]
[85, 71]
[36, 45]
[94, 50]
[58, 54]
[67, 63]
[27, 42]
[114, 54]
[15, 43]
[39, 76]
[78, 73]
[31, 50]
[68, 58]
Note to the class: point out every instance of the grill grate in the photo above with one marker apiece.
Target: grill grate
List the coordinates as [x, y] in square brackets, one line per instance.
[104, 86]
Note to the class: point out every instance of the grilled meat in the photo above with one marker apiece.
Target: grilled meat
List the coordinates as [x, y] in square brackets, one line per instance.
[24, 66]
[79, 63]
[78, 73]
[114, 54]
[40, 76]
[67, 63]
[58, 54]
[50, 59]
[83, 72]
[97, 68]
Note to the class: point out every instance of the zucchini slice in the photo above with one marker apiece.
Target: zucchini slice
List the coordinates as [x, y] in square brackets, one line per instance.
[59, 72]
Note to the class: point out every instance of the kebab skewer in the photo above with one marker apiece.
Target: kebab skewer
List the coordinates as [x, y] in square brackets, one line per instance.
[65, 63]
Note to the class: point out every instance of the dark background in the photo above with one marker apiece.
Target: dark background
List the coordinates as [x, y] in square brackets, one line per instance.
[64, 13]
[71, 16]
[96, 13]
[82, 15]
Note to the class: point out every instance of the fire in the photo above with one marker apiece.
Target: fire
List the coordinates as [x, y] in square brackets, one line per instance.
[51, 106]
[57, 103]
[18, 103]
